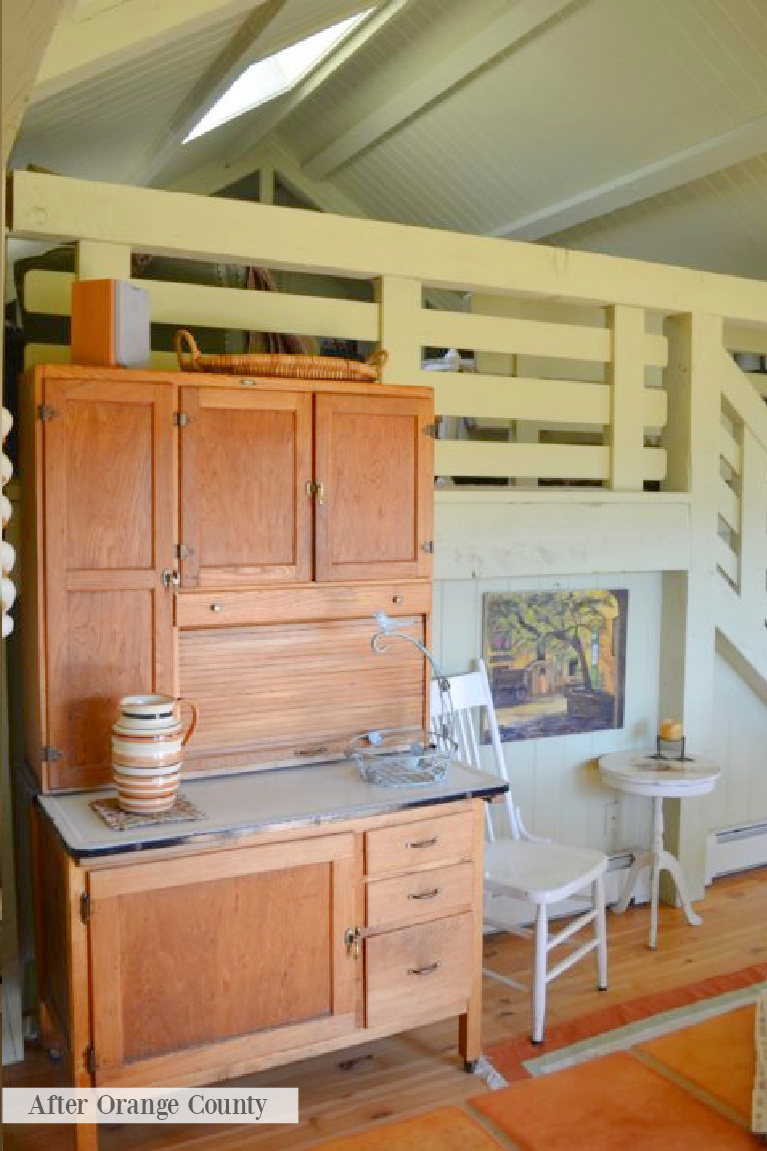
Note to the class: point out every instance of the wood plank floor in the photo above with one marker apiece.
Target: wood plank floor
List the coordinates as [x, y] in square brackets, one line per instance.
[350, 1091]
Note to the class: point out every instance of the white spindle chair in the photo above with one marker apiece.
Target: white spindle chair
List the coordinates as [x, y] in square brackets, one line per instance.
[523, 866]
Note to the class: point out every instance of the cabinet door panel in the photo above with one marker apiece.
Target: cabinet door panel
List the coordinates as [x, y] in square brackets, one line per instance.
[246, 459]
[108, 462]
[199, 954]
[376, 467]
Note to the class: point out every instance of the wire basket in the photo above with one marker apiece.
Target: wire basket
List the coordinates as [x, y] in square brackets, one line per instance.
[402, 757]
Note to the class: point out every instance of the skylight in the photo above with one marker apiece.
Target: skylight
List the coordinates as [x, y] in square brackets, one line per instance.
[274, 75]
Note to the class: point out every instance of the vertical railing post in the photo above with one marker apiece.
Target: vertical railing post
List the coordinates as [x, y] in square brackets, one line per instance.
[399, 304]
[688, 628]
[100, 261]
[626, 378]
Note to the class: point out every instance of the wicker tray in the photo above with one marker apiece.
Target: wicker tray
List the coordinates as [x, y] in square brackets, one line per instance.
[293, 367]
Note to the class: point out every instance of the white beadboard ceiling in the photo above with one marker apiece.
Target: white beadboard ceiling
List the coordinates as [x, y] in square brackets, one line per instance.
[635, 127]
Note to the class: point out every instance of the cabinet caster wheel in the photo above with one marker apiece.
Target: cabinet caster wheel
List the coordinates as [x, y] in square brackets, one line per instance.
[470, 1066]
[54, 1054]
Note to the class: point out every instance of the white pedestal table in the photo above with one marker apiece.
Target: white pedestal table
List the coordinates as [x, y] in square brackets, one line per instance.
[643, 773]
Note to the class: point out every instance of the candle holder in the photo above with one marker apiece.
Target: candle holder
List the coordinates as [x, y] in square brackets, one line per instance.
[671, 749]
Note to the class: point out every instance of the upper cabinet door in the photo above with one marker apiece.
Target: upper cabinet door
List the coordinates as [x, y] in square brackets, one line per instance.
[246, 460]
[109, 515]
[374, 470]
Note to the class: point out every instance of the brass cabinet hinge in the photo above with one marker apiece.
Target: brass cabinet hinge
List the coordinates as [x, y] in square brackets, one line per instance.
[46, 412]
[427, 546]
[182, 419]
[85, 907]
[50, 754]
[90, 1058]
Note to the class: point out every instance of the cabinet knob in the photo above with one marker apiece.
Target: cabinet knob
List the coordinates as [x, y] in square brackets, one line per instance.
[397, 599]
[170, 578]
[216, 607]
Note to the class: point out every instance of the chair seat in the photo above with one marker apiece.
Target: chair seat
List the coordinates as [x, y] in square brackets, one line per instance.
[540, 872]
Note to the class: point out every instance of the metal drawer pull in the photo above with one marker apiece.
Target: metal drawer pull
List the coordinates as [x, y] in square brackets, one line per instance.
[422, 842]
[216, 607]
[429, 969]
[426, 894]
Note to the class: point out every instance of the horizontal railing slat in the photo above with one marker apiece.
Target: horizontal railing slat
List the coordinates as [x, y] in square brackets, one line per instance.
[523, 398]
[511, 335]
[729, 506]
[727, 560]
[730, 451]
[544, 461]
[206, 305]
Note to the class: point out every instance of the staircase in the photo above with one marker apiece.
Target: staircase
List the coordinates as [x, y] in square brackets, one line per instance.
[741, 555]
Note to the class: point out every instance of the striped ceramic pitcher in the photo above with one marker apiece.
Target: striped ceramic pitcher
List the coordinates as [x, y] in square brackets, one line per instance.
[148, 744]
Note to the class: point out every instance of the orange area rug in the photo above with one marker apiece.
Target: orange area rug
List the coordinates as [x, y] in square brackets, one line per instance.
[518, 1058]
[445, 1129]
[606, 1104]
[717, 1056]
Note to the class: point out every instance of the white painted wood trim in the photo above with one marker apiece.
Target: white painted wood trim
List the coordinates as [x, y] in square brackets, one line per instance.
[58, 208]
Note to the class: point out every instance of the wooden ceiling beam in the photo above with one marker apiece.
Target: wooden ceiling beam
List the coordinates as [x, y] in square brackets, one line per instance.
[93, 41]
[673, 171]
[28, 26]
[231, 62]
[495, 39]
[280, 109]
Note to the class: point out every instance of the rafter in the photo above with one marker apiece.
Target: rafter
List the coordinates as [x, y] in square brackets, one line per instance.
[229, 64]
[280, 109]
[702, 159]
[274, 154]
[93, 41]
[495, 39]
[27, 30]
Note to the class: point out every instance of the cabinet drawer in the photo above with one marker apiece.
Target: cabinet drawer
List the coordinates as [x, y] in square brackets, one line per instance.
[420, 895]
[418, 971]
[306, 603]
[441, 839]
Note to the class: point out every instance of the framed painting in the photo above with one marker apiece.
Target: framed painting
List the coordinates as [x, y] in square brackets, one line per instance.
[556, 660]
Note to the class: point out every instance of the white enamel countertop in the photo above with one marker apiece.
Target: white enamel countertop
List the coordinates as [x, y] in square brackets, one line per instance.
[255, 801]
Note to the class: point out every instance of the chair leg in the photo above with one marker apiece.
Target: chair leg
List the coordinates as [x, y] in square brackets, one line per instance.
[539, 971]
[600, 930]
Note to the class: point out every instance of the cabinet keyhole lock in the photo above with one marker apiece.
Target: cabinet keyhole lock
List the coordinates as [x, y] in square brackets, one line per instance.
[353, 941]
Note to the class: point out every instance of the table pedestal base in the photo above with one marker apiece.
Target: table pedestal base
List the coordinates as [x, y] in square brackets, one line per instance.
[657, 859]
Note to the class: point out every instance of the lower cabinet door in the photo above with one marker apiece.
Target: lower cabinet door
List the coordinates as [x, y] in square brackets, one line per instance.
[204, 965]
[418, 973]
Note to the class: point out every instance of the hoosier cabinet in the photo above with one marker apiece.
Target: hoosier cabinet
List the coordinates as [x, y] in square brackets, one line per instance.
[230, 541]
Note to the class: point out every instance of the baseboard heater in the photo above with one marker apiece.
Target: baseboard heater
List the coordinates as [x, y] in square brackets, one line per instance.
[736, 849]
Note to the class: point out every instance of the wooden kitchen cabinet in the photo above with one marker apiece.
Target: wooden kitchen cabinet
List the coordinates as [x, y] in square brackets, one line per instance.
[240, 980]
[230, 541]
[245, 461]
[375, 464]
[280, 486]
[100, 531]
[176, 965]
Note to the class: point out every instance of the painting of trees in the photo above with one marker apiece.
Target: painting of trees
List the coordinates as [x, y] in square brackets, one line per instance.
[556, 660]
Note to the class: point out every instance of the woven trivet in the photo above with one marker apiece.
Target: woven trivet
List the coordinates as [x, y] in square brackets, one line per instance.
[183, 811]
